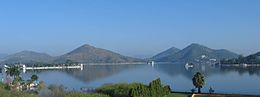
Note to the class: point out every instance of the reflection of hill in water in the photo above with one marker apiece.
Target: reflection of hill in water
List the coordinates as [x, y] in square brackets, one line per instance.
[254, 70]
[208, 70]
[179, 69]
[172, 69]
[94, 72]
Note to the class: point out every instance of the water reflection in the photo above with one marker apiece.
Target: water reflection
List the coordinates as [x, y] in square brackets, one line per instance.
[95, 72]
[252, 70]
[179, 69]
[176, 75]
[241, 80]
[89, 72]
[208, 70]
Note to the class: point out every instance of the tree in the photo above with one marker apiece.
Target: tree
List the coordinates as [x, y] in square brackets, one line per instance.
[140, 90]
[34, 77]
[154, 89]
[198, 81]
[157, 89]
[15, 72]
[17, 79]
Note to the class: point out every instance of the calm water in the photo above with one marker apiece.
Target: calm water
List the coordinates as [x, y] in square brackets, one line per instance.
[223, 80]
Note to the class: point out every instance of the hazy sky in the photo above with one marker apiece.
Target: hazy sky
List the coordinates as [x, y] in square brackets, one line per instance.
[130, 27]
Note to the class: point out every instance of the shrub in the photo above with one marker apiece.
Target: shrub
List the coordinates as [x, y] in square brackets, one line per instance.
[57, 91]
[140, 91]
[8, 93]
[155, 89]
[77, 94]
[117, 90]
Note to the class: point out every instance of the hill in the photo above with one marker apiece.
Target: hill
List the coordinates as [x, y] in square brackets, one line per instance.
[166, 53]
[28, 57]
[250, 59]
[197, 52]
[91, 54]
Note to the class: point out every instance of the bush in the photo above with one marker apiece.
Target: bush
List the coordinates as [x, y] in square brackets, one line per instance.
[77, 94]
[56, 91]
[5, 92]
[140, 91]
[4, 86]
[155, 89]
[117, 90]
[8, 93]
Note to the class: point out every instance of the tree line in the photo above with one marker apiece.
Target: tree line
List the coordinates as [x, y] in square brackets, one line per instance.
[251, 59]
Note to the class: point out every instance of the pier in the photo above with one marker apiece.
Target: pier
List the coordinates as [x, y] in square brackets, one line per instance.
[24, 67]
[80, 66]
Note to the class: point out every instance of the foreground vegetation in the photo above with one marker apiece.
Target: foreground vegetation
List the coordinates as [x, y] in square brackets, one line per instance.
[51, 91]
[5, 92]
[85, 95]
[198, 81]
[154, 89]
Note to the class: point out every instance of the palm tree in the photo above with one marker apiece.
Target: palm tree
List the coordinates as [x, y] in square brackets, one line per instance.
[13, 71]
[198, 81]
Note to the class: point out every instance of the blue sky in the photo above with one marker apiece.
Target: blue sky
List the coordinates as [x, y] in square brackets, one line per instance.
[138, 28]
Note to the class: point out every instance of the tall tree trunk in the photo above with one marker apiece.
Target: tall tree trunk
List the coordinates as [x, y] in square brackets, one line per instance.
[199, 90]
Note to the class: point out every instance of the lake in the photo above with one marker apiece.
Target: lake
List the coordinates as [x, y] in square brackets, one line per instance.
[238, 80]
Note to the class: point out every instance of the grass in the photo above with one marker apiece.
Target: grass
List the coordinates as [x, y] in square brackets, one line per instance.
[7, 93]
[178, 95]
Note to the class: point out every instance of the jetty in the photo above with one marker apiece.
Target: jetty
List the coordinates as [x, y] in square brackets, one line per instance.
[24, 67]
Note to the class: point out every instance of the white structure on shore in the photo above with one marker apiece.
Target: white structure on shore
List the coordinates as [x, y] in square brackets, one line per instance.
[151, 63]
[52, 67]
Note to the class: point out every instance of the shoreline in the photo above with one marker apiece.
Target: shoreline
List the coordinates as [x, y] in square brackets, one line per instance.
[132, 63]
[240, 65]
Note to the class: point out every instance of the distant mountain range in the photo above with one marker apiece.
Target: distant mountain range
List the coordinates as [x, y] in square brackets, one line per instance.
[83, 54]
[90, 54]
[194, 52]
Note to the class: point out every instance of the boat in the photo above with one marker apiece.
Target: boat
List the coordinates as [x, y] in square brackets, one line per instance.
[187, 65]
